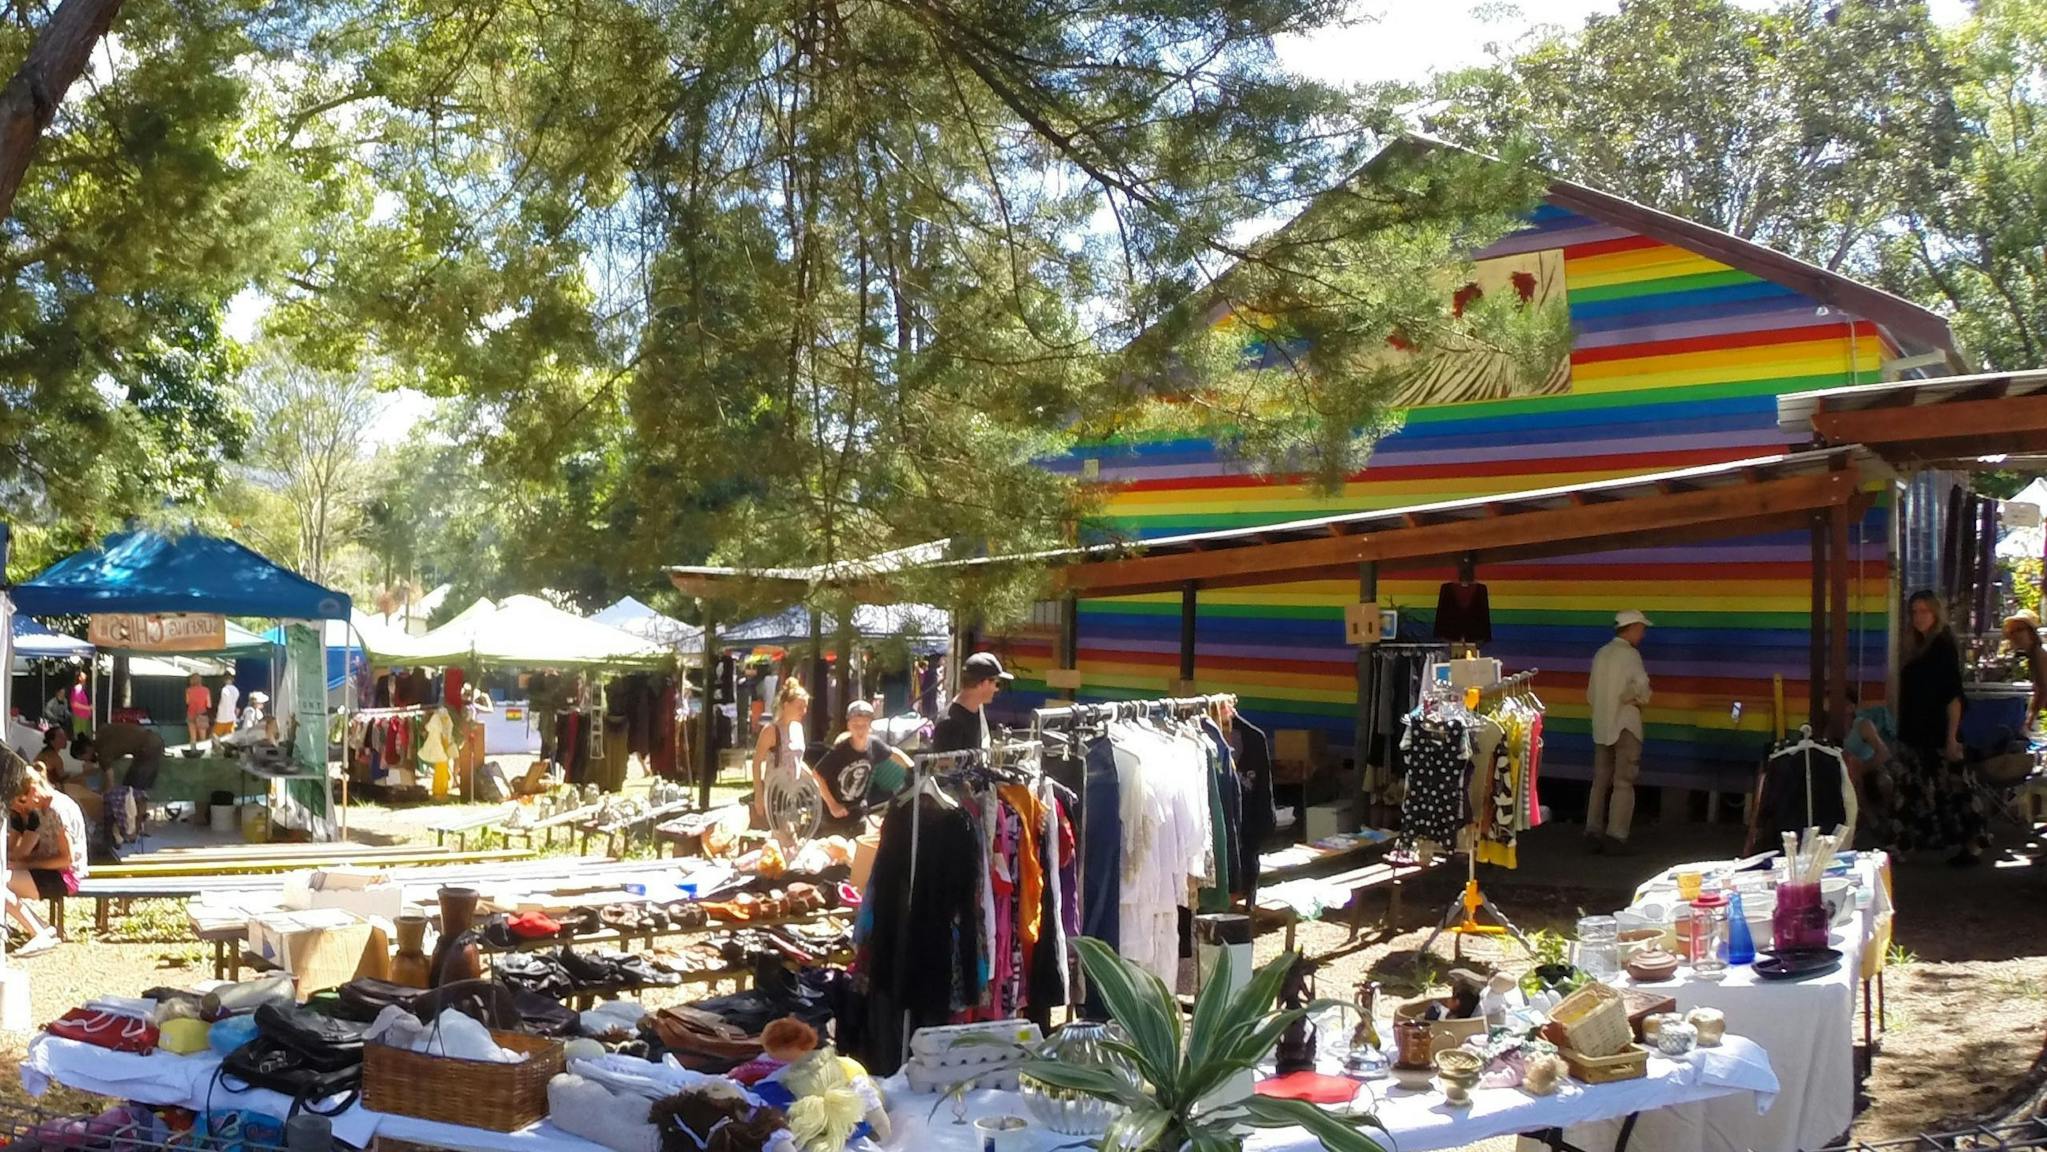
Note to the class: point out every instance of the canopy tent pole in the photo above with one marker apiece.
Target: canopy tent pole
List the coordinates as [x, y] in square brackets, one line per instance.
[707, 752]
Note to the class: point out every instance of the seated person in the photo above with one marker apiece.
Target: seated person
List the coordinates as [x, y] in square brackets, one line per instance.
[116, 742]
[858, 772]
[46, 854]
[50, 761]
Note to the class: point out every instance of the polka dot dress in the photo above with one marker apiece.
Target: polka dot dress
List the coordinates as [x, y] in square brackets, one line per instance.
[1438, 769]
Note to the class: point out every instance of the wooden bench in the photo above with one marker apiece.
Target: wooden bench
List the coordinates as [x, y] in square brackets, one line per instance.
[482, 823]
[1387, 875]
[625, 826]
[550, 825]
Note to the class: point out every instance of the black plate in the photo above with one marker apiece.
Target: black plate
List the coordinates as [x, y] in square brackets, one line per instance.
[1798, 965]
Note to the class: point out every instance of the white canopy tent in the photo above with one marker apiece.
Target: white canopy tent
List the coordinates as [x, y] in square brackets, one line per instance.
[521, 631]
[637, 618]
[2025, 543]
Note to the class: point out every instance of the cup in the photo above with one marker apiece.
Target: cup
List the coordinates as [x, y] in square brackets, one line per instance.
[1799, 922]
[1688, 885]
[1001, 1133]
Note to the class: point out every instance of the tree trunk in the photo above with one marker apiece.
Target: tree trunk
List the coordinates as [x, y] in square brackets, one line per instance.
[29, 101]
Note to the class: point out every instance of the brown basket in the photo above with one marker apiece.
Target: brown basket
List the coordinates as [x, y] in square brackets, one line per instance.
[1629, 1064]
[475, 1093]
[1594, 1020]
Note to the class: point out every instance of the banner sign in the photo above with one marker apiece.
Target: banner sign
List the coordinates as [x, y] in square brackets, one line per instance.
[158, 631]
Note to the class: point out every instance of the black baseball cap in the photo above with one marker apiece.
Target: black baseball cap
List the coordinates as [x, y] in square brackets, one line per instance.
[983, 666]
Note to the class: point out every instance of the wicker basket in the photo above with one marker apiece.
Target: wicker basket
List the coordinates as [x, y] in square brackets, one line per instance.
[1631, 1063]
[476, 1093]
[1594, 1020]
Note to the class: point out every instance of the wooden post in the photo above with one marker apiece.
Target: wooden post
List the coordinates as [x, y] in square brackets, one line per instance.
[1837, 661]
[813, 679]
[1188, 617]
[844, 673]
[707, 728]
[1816, 680]
[1069, 638]
[1367, 685]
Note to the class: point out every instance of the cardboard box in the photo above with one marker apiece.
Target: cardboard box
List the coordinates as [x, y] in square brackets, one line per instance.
[864, 849]
[1300, 745]
[367, 894]
[321, 947]
[1325, 820]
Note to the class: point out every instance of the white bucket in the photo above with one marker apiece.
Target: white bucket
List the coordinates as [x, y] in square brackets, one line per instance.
[225, 818]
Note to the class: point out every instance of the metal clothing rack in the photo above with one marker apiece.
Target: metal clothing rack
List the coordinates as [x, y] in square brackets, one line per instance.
[1460, 919]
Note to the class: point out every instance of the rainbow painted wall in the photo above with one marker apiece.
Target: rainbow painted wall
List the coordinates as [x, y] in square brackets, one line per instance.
[1677, 361]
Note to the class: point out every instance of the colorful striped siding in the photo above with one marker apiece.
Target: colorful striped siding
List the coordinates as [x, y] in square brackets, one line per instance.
[1677, 361]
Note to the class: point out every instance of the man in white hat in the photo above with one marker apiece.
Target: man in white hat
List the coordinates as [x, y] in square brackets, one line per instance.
[1618, 688]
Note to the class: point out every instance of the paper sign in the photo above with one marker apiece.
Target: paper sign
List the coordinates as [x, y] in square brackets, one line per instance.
[158, 631]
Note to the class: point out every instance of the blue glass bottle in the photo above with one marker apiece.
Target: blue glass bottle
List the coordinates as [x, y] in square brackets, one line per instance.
[1741, 947]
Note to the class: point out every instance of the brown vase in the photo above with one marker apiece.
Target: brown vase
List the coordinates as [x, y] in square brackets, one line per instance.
[411, 967]
[456, 956]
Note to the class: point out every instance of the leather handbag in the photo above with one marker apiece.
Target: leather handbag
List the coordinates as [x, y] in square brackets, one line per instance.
[702, 1042]
[325, 1044]
[104, 1029]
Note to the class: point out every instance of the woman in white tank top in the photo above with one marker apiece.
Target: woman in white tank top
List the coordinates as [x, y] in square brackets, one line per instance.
[779, 748]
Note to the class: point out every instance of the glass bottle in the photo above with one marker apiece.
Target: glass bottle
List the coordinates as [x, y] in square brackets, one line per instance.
[1366, 1059]
[1709, 936]
[1741, 945]
[1599, 946]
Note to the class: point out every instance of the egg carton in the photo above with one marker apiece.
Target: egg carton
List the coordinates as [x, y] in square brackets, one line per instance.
[935, 1080]
[951, 1045]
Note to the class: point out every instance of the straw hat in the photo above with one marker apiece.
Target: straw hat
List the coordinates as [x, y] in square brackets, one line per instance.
[2024, 616]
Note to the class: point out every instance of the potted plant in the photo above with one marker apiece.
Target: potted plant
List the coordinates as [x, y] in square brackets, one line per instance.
[1553, 971]
[1180, 1066]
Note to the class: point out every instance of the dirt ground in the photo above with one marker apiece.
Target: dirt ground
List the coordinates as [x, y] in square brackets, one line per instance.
[1965, 997]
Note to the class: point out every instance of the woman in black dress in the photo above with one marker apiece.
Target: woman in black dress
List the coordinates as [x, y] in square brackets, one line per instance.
[1939, 809]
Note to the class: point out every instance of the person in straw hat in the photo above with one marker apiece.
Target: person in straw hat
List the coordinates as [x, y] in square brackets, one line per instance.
[1617, 690]
[2022, 635]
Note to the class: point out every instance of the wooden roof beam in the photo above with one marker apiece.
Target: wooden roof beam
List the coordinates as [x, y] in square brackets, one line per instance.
[1504, 537]
[2021, 417]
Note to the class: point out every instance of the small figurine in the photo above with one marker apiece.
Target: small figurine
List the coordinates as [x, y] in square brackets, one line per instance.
[1296, 1050]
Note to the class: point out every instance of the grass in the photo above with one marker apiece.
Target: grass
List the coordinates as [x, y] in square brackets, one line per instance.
[1900, 956]
[150, 922]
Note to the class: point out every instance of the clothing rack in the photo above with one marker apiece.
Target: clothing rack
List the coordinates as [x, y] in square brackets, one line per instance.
[1131, 709]
[393, 713]
[1460, 919]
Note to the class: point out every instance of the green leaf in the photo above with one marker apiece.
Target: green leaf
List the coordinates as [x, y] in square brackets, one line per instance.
[1137, 1130]
[1211, 1006]
[1141, 1006]
[1337, 1133]
[1213, 1138]
[1095, 1082]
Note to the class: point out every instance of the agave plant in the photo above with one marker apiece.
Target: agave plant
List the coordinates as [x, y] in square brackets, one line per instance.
[1182, 1065]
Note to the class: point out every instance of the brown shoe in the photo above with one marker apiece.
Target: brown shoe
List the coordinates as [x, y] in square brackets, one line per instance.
[1618, 847]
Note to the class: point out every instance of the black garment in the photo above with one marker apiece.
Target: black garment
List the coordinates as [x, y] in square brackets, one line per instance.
[1438, 786]
[1254, 767]
[1786, 789]
[924, 947]
[1463, 614]
[848, 772]
[49, 883]
[1230, 791]
[1927, 684]
[961, 729]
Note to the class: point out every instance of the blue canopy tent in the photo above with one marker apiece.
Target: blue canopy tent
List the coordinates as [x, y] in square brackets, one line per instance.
[145, 571]
[36, 642]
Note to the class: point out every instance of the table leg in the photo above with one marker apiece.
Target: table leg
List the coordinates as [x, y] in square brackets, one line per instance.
[220, 959]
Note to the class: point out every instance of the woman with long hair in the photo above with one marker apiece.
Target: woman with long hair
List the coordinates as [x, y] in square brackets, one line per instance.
[1939, 811]
[779, 747]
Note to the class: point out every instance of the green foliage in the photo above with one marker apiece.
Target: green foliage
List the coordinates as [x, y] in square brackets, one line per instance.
[1789, 126]
[141, 216]
[1181, 1064]
[1972, 225]
[794, 281]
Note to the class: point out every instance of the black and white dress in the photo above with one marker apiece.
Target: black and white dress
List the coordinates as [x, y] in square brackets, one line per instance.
[1438, 777]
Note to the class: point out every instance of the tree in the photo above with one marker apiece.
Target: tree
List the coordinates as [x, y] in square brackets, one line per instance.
[29, 101]
[1794, 126]
[310, 449]
[1971, 232]
[791, 281]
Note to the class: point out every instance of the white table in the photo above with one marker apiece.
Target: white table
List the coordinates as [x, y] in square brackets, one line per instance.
[1738, 1075]
[168, 1080]
[1807, 1026]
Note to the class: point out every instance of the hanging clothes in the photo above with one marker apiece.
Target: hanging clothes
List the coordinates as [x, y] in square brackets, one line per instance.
[921, 954]
[1438, 774]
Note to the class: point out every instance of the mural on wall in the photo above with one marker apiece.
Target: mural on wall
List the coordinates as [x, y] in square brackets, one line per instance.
[1475, 372]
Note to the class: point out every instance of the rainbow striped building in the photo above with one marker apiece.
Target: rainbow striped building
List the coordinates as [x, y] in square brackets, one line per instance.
[1683, 338]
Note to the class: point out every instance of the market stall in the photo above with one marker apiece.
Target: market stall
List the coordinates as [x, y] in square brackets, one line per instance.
[148, 575]
[419, 731]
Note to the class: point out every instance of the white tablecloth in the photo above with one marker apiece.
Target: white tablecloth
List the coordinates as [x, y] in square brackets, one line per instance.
[162, 1078]
[1808, 1027]
[1737, 1075]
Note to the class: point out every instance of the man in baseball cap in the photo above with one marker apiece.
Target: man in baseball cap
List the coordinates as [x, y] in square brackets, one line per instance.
[1617, 689]
[964, 724]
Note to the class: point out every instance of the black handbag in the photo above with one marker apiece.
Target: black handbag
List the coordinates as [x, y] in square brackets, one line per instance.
[303, 1055]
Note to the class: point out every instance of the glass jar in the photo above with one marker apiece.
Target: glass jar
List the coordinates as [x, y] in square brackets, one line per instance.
[1708, 955]
[1599, 949]
[1070, 1113]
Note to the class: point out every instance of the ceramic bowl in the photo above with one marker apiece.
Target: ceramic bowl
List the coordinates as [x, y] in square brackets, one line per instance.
[1652, 965]
[1838, 894]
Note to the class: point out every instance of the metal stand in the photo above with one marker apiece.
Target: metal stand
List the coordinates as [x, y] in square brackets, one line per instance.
[1461, 917]
[1553, 1138]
